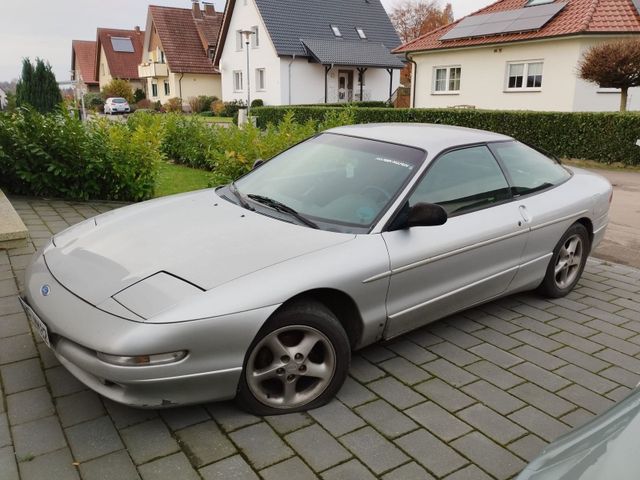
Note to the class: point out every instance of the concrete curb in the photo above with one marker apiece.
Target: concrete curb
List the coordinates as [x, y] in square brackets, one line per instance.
[13, 233]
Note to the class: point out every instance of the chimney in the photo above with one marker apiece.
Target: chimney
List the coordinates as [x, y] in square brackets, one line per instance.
[137, 29]
[209, 9]
[195, 8]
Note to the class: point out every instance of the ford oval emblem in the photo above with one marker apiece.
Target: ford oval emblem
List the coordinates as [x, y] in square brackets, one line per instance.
[45, 290]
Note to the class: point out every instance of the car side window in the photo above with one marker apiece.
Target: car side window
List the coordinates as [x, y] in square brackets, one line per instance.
[463, 180]
[529, 170]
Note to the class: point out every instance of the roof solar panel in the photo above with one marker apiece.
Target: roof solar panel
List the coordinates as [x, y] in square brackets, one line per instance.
[122, 44]
[523, 19]
[637, 4]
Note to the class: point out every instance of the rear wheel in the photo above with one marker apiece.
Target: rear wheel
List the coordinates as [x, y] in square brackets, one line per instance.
[298, 361]
[567, 264]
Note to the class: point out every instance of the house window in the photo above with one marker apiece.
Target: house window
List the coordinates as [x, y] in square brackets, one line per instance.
[260, 79]
[237, 81]
[533, 3]
[336, 31]
[524, 76]
[167, 88]
[255, 38]
[361, 33]
[239, 41]
[447, 79]
[154, 90]
[122, 44]
[162, 56]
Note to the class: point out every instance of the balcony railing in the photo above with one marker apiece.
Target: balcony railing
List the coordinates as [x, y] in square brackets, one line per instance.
[151, 70]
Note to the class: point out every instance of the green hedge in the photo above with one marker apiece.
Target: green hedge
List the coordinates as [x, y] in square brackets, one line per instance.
[604, 137]
[56, 155]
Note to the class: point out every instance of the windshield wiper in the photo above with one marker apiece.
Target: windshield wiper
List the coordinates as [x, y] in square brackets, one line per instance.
[281, 207]
[240, 197]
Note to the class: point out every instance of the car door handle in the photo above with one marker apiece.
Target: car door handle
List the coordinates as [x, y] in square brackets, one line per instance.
[525, 214]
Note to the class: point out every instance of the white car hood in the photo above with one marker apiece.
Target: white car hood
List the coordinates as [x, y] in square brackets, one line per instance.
[198, 237]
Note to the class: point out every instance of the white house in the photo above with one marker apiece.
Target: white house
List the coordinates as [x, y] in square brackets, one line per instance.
[521, 55]
[3, 99]
[308, 51]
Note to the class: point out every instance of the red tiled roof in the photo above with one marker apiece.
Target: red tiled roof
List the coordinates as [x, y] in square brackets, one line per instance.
[83, 58]
[186, 39]
[578, 17]
[121, 64]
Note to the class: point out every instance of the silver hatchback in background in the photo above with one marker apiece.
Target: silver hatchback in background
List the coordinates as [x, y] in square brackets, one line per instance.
[116, 105]
[260, 289]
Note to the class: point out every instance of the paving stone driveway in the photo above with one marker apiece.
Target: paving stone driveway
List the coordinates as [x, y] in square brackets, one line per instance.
[472, 397]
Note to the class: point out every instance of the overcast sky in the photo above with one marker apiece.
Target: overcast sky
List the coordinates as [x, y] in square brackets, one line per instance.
[45, 28]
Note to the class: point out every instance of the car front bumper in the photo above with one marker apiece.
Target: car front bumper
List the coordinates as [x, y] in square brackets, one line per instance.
[78, 330]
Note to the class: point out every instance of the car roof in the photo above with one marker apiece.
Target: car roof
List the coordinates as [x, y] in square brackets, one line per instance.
[429, 137]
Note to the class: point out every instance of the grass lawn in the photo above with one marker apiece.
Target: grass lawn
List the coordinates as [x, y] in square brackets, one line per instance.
[178, 178]
[217, 119]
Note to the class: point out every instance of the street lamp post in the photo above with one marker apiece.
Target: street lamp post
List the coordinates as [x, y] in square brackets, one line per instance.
[247, 40]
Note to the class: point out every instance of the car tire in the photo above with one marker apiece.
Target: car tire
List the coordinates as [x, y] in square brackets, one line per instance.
[298, 361]
[567, 263]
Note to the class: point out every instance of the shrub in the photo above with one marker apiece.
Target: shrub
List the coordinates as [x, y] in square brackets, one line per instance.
[257, 103]
[56, 155]
[231, 108]
[139, 95]
[94, 101]
[118, 88]
[145, 104]
[173, 105]
[605, 137]
[217, 107]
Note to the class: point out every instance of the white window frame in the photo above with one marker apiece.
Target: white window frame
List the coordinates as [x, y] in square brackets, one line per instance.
[238, 81]
[154, 90]
[525, 75]
[447, 90]
[239, 41]
[261, 86]
[255, 38]
[336, 31]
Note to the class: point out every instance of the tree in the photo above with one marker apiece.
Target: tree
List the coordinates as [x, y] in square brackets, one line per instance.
[38, 87]
[613, 65]
[413, 18]
[118, 88]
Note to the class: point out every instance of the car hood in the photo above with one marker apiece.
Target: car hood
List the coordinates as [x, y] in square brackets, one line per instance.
[198, 237]
[606, 447]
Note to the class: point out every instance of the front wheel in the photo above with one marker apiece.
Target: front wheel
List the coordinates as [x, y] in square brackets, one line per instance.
[298, 361]
[567, 263]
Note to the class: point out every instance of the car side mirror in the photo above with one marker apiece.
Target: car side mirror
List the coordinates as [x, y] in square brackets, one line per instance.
[426, 215]
[257, 163]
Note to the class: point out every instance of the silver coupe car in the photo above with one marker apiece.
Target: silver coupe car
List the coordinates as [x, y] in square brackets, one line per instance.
[262, 288]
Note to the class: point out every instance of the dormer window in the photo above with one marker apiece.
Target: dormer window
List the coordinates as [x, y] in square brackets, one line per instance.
[361, 33]
[533, 3]
[336, 31]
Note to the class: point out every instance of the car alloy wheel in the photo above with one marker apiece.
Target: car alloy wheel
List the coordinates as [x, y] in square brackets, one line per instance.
[569, 261]
[291, 367]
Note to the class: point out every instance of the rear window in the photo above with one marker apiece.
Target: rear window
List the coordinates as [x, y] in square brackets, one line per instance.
[529, 170]
[119, 100]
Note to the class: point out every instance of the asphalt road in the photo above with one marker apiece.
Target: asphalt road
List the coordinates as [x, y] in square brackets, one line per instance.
[622, 241]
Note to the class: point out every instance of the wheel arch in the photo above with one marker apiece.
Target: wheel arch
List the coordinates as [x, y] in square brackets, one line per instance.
[341, 305]
[588, 224]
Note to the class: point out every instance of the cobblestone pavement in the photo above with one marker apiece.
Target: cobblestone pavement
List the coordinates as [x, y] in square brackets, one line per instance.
[474, 396]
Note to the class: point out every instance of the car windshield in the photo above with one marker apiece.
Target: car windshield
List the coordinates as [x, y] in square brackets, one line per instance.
[343, 182]
[119, 100]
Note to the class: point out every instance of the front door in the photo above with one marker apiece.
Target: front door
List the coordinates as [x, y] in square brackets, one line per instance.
[473, 257]
[345, 86]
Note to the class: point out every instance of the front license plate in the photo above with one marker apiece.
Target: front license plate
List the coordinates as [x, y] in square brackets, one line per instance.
[37, 324]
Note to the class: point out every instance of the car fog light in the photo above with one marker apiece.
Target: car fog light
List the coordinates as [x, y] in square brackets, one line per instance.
[143, 360]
